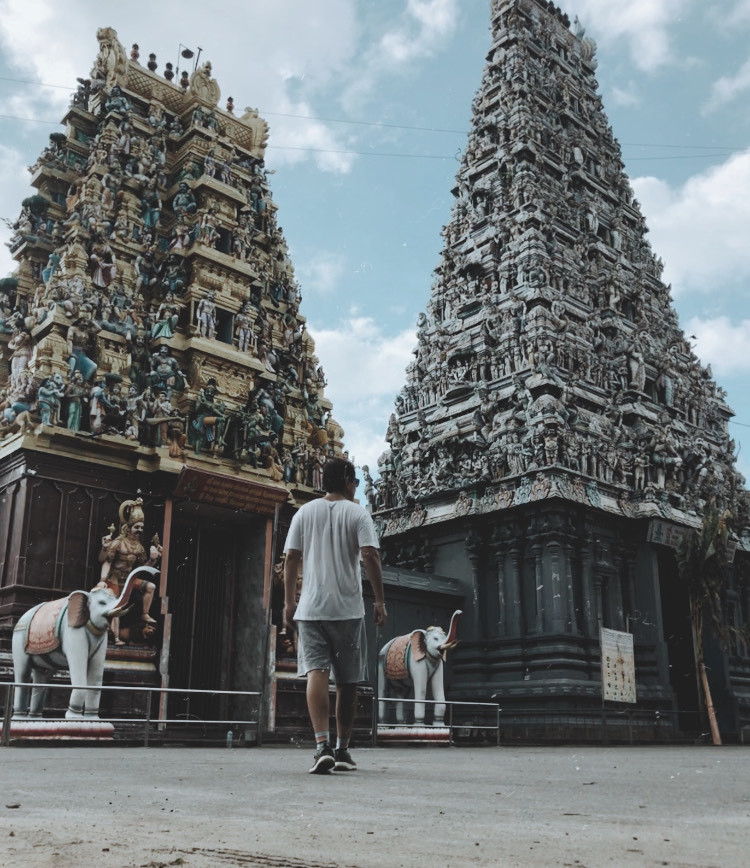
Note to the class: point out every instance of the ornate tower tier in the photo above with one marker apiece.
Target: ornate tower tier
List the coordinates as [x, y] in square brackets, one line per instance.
[555, 424]
[155, 289]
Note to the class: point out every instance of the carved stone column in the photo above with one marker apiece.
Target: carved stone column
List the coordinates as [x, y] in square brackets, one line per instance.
[590, 596]
[536, 553]
[475, 549]
[513, 615]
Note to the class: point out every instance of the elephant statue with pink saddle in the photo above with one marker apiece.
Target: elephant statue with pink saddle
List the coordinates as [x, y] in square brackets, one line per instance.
[70, 633]
[414, 662]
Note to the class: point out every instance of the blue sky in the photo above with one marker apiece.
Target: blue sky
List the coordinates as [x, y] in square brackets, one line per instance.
[368, 105]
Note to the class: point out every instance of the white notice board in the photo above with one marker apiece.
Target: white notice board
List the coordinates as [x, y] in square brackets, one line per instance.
[618, 665]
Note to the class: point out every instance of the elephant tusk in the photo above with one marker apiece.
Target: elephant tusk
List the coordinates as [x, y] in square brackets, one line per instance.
[124, 597]
[119, 612]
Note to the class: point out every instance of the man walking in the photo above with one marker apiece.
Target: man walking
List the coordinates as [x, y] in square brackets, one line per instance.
[327, 536]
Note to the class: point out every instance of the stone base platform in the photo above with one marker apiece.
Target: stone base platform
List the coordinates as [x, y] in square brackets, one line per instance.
[60, 730]
[414, 734]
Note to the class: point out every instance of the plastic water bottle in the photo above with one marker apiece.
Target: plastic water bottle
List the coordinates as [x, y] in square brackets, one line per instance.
[230, 738]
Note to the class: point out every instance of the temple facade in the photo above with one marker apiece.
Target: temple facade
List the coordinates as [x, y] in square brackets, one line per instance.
[556, 437]
[154, 349]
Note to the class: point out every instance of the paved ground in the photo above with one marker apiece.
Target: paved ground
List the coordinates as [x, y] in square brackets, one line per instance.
[113, 807]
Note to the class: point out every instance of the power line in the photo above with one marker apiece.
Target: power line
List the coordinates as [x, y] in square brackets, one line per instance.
[29, 120]
[362, 153]
[685, 156]
[382, 124]
[364, 123]
[37, 83]
[385, 153]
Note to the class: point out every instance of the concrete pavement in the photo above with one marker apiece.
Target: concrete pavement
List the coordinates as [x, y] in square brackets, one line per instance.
[198, 807]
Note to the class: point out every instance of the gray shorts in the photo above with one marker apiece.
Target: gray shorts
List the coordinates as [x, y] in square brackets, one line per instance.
[340, 646]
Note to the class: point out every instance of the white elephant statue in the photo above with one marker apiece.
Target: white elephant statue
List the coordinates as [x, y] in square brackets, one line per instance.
[415, 662]
[70, 633]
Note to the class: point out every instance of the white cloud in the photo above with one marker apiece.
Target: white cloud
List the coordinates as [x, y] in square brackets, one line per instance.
[727, 88]
[627, 96]
[722, 343]
[14, 184]
[365, 370]
[739, 13]
[276, 56]
[425, 25]
[701, 228]
[421, 31]
[321, 273]
[644, 24]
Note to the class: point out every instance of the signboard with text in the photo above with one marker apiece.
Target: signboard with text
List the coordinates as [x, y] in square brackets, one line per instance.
[618, 665]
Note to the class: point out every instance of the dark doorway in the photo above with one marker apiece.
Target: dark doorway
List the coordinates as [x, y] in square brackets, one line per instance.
[201, 600]
[678, 635]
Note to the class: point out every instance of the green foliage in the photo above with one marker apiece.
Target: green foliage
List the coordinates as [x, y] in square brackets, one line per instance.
[702, 563]
[36, 204]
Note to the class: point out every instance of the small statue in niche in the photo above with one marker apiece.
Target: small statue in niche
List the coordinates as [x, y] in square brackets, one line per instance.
[165, 372]
[151, 205]
[104, 265]
[76, 393]
[206, 315]
[208, 232]
[210, 419]
[80, 335]
[166, 319]
[243, 328]
[21, 349]
[184, 201]
[146, 270]
[175, 275]
[116, 102]
[49, 398]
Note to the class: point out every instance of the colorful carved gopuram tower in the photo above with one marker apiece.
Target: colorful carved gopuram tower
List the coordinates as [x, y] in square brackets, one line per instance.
[155, 348]
[556, 431]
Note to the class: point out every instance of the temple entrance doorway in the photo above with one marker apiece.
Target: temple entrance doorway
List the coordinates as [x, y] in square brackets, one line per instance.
[216, 602]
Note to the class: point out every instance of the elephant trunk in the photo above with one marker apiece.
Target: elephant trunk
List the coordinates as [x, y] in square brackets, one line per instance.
[451, 640]
[122, 601]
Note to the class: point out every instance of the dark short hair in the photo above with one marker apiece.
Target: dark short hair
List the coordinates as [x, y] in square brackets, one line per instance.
[337, 472]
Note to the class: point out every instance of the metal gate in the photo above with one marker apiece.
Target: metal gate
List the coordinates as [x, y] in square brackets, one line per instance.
[201, 597]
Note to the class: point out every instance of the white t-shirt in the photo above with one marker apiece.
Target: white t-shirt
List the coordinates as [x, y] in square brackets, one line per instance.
[330, 534]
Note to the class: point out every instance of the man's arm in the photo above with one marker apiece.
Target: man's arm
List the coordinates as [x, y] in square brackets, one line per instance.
[374, 573]
[292, 564]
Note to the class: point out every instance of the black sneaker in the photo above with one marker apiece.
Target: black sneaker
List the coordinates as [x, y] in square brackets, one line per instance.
[344, 761]
[323, 760]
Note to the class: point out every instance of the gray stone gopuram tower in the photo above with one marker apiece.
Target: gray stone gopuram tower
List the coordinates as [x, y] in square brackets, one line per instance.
[556, 431]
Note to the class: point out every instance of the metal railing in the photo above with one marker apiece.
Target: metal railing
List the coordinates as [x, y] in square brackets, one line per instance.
[628, 725]
[451, 724]
[150, 725]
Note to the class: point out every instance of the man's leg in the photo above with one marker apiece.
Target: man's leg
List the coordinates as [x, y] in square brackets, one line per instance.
[317, 699]
[318, 709]
[346, 708]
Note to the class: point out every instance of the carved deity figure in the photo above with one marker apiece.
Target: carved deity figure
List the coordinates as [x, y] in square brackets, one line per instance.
[111, 61]
[206, 315]
[243, 328]
[121, 554]
[203, 86]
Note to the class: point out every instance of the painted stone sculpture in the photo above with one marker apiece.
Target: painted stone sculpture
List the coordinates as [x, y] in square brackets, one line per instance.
[414, 663]
[67, 634]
